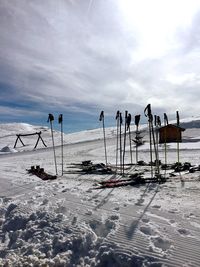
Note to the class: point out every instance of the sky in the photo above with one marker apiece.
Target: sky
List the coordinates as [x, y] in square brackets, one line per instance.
[78, 57]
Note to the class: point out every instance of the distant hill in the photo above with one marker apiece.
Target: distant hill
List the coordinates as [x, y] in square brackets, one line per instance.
[190, 124]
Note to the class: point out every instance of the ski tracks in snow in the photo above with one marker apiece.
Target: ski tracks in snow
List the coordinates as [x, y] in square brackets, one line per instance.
[143, 231]
[143, 226]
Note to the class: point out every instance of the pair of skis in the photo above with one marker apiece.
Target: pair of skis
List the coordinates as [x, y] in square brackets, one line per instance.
[132, 181]
[39, 172]
[60, 121]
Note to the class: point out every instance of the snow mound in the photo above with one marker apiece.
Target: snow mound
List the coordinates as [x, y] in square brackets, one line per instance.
[9, 132]
[16, 128]
[45, 237]
[8, 149]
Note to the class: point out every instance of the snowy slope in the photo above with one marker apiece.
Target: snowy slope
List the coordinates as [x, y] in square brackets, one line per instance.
[67, 222]
[9, 131]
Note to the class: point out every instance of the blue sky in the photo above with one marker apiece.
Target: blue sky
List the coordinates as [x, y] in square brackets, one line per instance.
[79, 57]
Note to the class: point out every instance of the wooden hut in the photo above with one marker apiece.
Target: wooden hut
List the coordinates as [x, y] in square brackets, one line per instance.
[170, 133]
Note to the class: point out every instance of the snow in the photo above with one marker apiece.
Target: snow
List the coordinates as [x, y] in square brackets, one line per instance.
[8, 149]
[49, 237]
[67, 222]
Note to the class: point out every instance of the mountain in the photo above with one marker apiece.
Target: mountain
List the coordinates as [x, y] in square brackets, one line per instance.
[191, 124]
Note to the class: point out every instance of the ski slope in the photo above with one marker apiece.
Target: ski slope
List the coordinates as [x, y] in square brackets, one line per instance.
[67, 222]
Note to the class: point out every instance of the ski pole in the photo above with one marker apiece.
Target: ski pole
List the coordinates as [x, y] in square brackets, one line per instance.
[157, 124]
[60, 121]
[50, 119]
[129, 132]
[158, 127]
[137, 120]
[155, 148]
[136, 145]
[101, 118]
[117, 146]
[149, 115]
[151, 152]
[178, 150]
[126, 114]
[120, 139]
[165, 136]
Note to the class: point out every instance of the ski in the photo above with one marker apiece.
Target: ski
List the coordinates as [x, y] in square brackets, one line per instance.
[111, 185]
[140, 181]
[132, 177]
[39, 172]
[88, 172]
[88, 167]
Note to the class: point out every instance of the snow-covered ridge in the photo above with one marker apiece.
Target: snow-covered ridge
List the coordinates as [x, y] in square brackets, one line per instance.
[8, 133]
[191, 124]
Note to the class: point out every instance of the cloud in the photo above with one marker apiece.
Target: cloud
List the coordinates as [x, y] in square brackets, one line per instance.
[84, 56]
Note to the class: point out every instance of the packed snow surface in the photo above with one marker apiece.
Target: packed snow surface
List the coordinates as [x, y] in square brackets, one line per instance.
[70, 222]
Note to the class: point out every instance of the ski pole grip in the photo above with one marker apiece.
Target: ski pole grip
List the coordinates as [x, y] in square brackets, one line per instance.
[50, 118]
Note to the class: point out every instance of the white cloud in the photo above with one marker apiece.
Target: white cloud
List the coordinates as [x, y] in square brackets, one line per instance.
[91, 55]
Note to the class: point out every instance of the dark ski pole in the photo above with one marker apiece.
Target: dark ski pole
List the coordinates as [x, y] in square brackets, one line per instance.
[60, 121]
[101, 118]
[117, 145]
[157, 125]
[157, 132]
[155, 148]
[178, 149]
[124, 150]
[165, 136]
[120, 139]
[50, 119]
[128, 123]
[147, 113]
[137, 120]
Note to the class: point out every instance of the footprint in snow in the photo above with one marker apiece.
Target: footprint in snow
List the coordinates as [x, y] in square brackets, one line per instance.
[156, 206]
[45, 201]
[147, 230]
[5, 199]
[88, 212]
[114, 217]
[61, 209]
[139, 202]
[64, 190]
[74, 220]
[173, 211]
[103, 228]
[89, 191]
[161, 243]
[183, 231]
[190, 215]
[145, 220]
